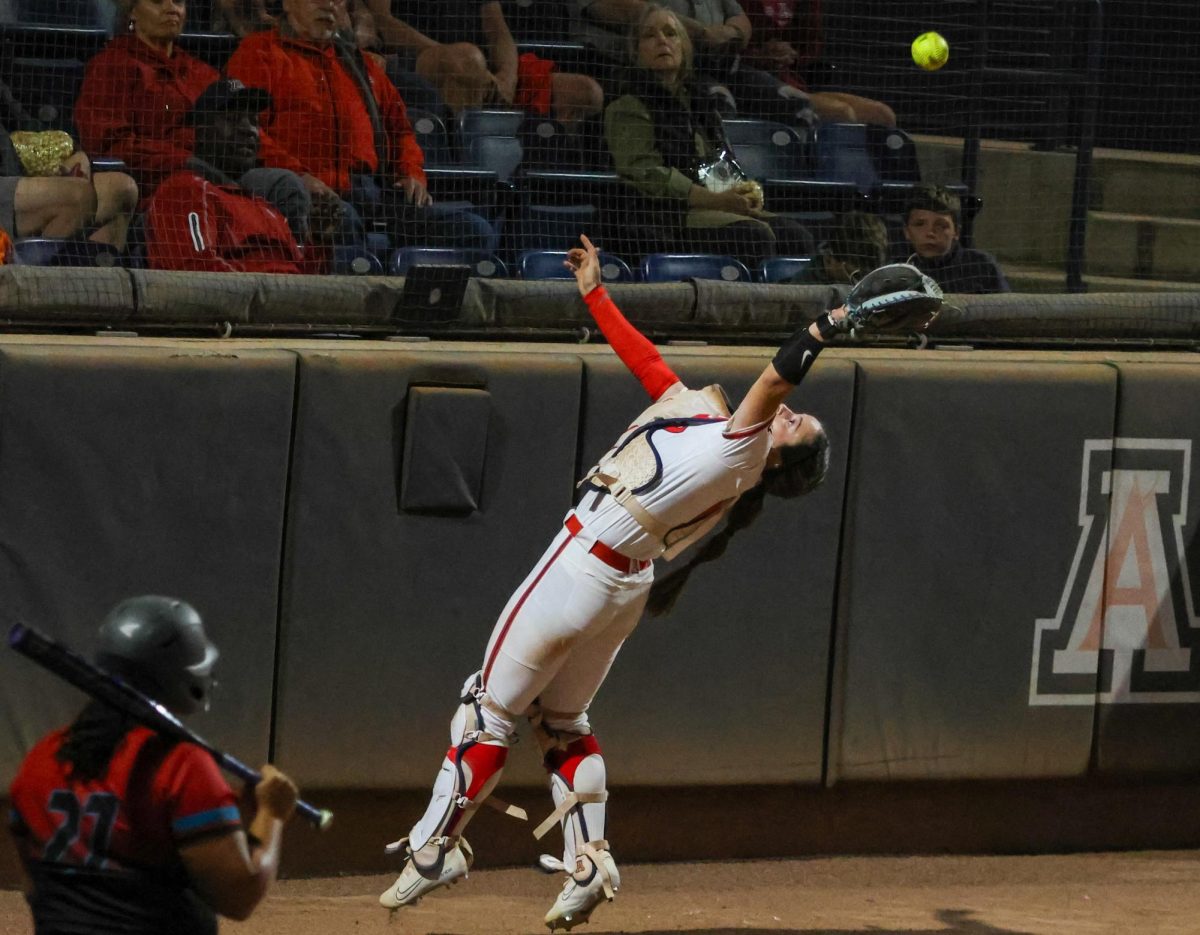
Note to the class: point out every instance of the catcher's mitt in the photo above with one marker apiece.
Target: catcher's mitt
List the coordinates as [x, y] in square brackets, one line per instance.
[898, 297]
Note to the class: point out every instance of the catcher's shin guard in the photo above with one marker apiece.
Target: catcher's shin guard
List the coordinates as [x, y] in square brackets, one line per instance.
[469, 773]
[577, 784]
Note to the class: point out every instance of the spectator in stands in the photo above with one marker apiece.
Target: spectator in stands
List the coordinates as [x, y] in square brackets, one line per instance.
[787, 41]
[857, 245]
[200, 218]
[718, 31]
[70, 203]
[137, 91]
[667, 142]
[135, 99]
[341, 125]
[464, 48]
[356, 23]
[931, 223]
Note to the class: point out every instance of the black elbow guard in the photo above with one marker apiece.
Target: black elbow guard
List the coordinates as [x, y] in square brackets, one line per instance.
[798, 353]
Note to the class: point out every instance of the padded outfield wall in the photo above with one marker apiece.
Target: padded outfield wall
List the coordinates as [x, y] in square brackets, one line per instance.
[996, 585]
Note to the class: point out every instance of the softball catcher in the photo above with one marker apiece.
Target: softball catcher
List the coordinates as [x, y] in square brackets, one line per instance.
[686, 462]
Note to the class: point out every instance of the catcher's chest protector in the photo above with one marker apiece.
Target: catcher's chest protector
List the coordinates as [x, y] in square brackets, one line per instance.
[633, 465]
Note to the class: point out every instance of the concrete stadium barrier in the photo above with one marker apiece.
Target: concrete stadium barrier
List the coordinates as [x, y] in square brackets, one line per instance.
[961, 524]
[927, 615]
[143, 469]
[721, 312]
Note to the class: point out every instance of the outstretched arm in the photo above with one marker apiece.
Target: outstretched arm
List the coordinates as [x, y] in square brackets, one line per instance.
[792, 361]
[636, 352]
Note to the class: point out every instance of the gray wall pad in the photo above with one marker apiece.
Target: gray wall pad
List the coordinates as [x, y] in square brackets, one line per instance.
[142, 470]
[747, 306]
[962, 523]
[243, 298]
[58, 295]
[190, 297]
[39, 293]
[730, 687]
[1149, 699]
[557, 303]
[386, 613]
[1116, 314]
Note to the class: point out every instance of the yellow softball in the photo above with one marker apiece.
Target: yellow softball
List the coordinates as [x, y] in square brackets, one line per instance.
[930, 51]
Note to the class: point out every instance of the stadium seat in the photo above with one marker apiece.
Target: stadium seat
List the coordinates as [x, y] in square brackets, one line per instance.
[84, 14]
[547, 145]
[211, 47]
[537, 21]
[768, 150]
[68, 251]
[552, 226]
[484, 265]
[432, 137]
[894, 154]
[673, 267]
[842, 154]
[783, 268]
[490, 139]
[548, 264]
[356, 261]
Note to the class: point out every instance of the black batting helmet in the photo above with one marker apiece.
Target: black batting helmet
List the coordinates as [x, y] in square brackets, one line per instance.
[158, 645]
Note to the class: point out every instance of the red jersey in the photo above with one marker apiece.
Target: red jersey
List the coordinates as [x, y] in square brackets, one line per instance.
[132, 107]
[104, 853]
[194, 223]
[318, 124]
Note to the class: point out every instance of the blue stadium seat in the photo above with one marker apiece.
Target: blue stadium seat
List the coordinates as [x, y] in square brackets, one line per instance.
[432, 137]
[768, 150]
[356, 261]
[484, 265]
[64, 251]
[673, 267]
[781, 268]
[490, 139]
[843, 154]
[548, 264]
[894, 153]
[211, 47]
[551, 226]
[547, 145]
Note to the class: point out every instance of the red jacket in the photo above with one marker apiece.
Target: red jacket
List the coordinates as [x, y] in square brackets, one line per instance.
[318, 124]
[132, 106]
[194, 223]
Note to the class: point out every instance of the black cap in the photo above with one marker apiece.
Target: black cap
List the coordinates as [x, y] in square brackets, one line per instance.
[226, 94]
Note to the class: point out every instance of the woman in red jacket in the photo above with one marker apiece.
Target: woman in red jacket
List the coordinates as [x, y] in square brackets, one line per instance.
[135, 98]
[138, 90]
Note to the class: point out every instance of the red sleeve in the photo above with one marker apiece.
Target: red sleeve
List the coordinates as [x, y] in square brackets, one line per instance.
[198, 799]
[636, 352]
[111, 93]
[403, 149]
[183, 229]
[259, 65]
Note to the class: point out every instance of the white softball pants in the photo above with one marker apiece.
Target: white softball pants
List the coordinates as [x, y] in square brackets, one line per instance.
[559, 634]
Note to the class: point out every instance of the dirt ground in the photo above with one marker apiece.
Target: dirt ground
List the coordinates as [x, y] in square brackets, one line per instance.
[1139, 893]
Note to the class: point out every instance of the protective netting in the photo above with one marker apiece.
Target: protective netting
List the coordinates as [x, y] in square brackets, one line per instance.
[1031, 145]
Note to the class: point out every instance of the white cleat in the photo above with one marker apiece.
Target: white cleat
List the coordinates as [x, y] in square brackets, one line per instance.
[579, 898]
[411, 885]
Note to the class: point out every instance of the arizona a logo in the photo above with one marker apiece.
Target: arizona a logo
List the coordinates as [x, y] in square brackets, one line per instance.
[1126, 629]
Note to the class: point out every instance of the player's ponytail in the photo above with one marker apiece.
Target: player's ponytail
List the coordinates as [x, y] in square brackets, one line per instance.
[664, 591]
[801, 470]
[92, 739]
